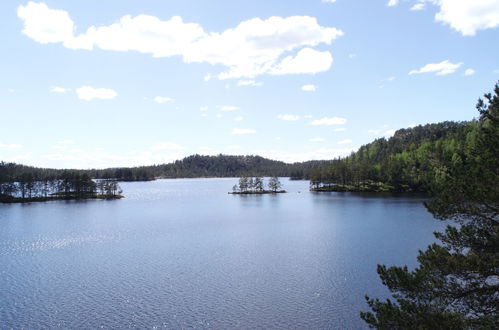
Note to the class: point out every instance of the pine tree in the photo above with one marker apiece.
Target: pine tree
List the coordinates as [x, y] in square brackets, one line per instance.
[274, 184]
[456, 285]
[258, 184]
[243, 184]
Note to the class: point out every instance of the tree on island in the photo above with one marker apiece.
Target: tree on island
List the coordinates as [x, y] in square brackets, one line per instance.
[255, 185]
[456, 285]
[244, 184]
[274, 184]
[258, 183]
[66, 185]
[109, 188]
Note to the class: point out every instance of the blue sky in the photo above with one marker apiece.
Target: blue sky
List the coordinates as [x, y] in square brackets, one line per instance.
[124, 83]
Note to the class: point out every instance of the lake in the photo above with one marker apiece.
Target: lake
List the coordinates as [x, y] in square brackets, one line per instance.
[185, 254]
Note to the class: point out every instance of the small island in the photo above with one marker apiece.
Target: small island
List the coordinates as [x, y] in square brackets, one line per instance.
[70, 185]
[255, 186]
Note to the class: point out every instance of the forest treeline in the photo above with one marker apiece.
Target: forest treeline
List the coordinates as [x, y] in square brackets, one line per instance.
[189, 167]
[411, 160]
[456, 282]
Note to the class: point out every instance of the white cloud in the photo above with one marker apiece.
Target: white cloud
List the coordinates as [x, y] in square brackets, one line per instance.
[346, 141]
[239, 118]
[62, 145]
[392, 3]
[161, 99]
[392, 78]
[89, 93]
[204, 108]
[389, 132]
[59, 147]
[440, 69]
[329, 1]
[242, 131]
[352, 55]
[57, 89]
[382, 132]
[17, 158]
[288, 117]
[227, 107]
[100, 159]
[308, 88]
[10, 146]
[307, 60]
[328, 121]
[252, 48]
[319, 154]
[316, 140]
[166, 146]
[308, 116]
[249, 83]
[218, 115]
[418, 6]
[468, 16]
[469, 72]
[46, 25]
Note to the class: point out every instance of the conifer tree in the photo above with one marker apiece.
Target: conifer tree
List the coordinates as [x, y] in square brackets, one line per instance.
[456, 285]
[274, 184]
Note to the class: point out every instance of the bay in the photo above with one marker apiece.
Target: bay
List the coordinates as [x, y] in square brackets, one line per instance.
[182, 253]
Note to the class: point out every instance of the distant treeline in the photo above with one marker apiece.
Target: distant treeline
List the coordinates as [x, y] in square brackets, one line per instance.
[411, 160]
[189, 167]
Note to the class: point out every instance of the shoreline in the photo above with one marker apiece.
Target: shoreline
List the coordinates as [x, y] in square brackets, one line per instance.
[15, 200]
[257, 192]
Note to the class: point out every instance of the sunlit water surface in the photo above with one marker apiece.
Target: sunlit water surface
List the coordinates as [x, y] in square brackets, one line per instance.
[185, 254]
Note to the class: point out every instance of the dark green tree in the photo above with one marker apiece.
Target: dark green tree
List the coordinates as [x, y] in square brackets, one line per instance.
[456, 285]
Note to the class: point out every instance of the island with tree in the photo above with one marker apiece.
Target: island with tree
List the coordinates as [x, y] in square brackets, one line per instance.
[68, 185]
[255, 186]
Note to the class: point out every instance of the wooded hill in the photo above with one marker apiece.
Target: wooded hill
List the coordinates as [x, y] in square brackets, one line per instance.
[411, 160]
[189, 167]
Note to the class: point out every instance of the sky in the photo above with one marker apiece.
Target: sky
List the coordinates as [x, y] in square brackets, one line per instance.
[94, 84]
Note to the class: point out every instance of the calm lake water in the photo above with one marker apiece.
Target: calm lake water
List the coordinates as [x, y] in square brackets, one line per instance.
[185, 254]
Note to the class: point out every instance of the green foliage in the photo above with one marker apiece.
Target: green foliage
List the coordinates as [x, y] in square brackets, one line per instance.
[456, 285]
[48, 185]
[189, 167]
[255, 185]
[405, 162]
